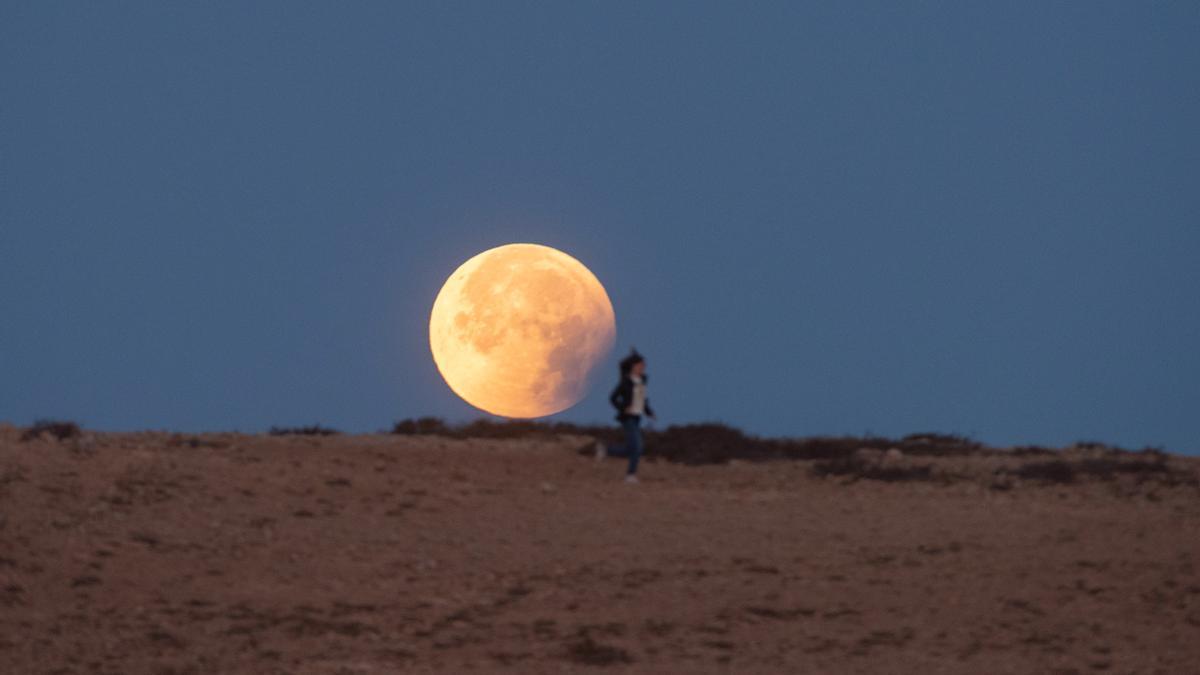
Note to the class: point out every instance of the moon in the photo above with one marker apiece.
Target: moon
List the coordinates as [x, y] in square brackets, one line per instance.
[516, 330]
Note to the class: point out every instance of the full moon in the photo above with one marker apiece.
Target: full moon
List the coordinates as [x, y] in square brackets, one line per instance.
[516, 330]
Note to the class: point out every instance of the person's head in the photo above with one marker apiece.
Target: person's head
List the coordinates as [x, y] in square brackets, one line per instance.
[634, 364]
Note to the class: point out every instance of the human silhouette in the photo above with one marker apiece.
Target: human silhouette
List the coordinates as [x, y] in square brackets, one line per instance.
[630, 400]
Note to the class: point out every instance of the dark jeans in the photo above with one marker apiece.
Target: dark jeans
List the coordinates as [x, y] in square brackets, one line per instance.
[632, 448]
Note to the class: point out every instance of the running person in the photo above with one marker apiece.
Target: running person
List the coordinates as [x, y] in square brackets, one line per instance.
[630, 400]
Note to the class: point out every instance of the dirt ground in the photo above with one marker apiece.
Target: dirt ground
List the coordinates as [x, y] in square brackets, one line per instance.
[153, 553]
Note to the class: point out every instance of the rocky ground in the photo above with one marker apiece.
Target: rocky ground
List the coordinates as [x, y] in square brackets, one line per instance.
[160, 553]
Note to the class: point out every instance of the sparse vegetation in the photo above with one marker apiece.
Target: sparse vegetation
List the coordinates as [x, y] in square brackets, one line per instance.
[940, 445]
[1030, 451]
[420, 426]
[180, 440]
[705, 443]
[58, 429]
[857, 468]
[487, 428]
[1063, 472]
[313, 430]
[710, 443]
[780, 509]
[1093, 445]
[852, 457]
[1052, 472]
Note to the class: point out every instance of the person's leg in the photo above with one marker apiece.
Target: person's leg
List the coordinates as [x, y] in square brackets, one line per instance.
[633, 441]
[621, 450]
[625, 449]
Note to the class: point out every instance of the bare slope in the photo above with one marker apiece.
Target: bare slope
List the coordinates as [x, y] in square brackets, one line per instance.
[151, 553]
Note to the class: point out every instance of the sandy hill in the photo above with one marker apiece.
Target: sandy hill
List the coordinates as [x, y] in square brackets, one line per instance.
[221, 553]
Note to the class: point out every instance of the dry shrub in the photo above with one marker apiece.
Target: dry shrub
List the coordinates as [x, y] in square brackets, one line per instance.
[182, 441]
[421, 426]
[484, 428]
[856, 468]
[501, 429]
[938, 445]
[1052, 472]
[706, 443]
[717, 443]
[59, 429]
[1155, 470]
[710, 443]
[1095, 446]
[313, 430]
[1145, 467]
[1030, 451]
[831, 447]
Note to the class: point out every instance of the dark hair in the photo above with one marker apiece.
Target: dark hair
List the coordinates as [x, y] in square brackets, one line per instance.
[630, 361]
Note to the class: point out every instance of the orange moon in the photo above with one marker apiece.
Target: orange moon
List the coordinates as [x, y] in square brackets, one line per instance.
[517, 329]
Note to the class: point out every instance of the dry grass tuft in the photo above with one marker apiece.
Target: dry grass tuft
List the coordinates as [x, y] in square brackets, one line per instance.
[312, 430]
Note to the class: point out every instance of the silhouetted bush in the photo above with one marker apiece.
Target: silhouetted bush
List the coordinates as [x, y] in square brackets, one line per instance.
[717, 443]
[1148, 453]
[1061, 472]
[1107, 469]
[940, 445]
[502, 429]
[1097, 446]
[484, 428]
[1144, 471]
[314, 430]
[1030, 451]
[706, 443]
[420, 426]
[182, 441]
[709, 443]
[59, 429]
[1054, 472]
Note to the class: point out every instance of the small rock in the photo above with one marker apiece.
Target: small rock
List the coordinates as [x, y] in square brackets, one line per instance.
[548, 488]
[893, 454]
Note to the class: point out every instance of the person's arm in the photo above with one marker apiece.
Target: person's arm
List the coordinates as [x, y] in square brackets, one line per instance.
[649, 410]
[618, 397]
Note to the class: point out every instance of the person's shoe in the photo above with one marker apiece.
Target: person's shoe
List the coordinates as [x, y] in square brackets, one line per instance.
[601, 451]
[631, 478]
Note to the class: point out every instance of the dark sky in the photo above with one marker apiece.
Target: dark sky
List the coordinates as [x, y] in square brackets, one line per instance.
[980, 218]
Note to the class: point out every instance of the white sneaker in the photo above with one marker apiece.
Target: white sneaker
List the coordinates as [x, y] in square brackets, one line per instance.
[631, 478]
[601, 451]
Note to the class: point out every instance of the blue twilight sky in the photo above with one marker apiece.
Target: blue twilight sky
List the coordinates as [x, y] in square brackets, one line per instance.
[832, 218]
